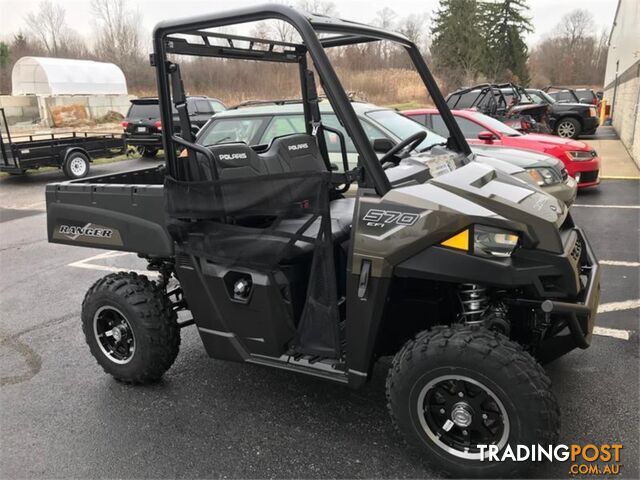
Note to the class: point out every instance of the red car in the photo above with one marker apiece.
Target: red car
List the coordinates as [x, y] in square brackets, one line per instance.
[581, 160]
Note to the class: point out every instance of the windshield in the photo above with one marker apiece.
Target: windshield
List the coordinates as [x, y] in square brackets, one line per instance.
[494, 124]
[542, 97]
[144, 111]
[231, 130]
[403, 127]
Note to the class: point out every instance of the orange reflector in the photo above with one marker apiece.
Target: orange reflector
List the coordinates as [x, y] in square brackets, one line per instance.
[459, 241]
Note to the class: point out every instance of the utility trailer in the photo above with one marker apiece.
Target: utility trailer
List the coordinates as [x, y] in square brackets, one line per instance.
[72, 152]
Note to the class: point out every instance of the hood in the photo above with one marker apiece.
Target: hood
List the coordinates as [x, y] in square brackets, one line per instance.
[488, 195]
[554, 141]
[517, 156]
[528, 107]
[572, 105]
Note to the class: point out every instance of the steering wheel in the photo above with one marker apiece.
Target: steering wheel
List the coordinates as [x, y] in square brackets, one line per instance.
[409, 143]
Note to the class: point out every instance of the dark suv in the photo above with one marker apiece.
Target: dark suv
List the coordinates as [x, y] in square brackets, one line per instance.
[143, 129]
[572, 95]
[568, 120]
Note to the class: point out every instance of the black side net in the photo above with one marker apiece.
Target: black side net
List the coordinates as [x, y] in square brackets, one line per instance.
[265, 212]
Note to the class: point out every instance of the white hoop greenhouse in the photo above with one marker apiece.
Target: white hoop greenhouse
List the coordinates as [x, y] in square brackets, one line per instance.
[63, 76]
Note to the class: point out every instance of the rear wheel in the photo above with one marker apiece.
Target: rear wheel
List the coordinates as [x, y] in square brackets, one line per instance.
[568, 128]
[76, 165]
[130, 327]
[148, 152]
[453, 389]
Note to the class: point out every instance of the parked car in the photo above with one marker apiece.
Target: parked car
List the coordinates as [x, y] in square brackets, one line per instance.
[143, 128]
[546, 171]
[581, 160]
[506, 102]
[259, 125]
[567, 119]
[572, 95]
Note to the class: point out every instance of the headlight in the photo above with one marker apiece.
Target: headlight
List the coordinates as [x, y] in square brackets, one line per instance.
[581, 155]
[544, 176]
[493, 242]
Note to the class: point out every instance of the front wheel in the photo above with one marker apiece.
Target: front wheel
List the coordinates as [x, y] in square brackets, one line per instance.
[454, 389]
[130, 327]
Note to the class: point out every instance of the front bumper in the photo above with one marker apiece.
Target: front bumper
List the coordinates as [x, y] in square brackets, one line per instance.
[579, 316]
[587, 174]
[562, 288]
[565, 191]
[150, 140]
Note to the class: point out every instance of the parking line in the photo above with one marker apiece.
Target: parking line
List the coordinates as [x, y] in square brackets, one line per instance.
[86, 264]
[605, 206]
[612, 332]
[619, 263]
[619, 177]
[619, 306]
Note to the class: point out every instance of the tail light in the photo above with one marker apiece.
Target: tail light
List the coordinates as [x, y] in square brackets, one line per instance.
[158, 125]
[124, 124]
[594, 101]
[525, 125]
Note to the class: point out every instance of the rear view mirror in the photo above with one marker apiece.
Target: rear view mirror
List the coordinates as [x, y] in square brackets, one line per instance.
[382, 145]
[486, 136]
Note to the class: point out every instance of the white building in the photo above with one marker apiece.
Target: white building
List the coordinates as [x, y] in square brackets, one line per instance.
[622, 77]
[56, 91]
[64, 76]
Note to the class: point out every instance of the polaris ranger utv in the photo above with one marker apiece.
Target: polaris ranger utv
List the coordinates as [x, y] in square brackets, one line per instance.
[470, 277]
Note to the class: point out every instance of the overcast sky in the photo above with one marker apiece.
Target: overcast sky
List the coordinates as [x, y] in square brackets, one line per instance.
[545, 13]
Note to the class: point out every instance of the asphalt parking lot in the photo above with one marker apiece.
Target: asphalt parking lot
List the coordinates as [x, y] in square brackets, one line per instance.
[61, 416]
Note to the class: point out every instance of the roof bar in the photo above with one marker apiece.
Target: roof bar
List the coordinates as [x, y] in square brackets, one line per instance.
[180, 46]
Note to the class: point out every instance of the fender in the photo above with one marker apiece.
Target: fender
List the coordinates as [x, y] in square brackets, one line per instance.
[71, 150]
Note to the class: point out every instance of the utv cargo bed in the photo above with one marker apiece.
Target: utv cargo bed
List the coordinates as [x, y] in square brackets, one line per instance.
[123, 211]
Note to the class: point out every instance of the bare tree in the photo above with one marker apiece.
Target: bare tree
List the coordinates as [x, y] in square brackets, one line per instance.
[118, 37]
[284, 32]
[385, 18]
[321, 7]
[414, 27]
[576, 25]
[119, 40]
[48, 26]
[574, 55]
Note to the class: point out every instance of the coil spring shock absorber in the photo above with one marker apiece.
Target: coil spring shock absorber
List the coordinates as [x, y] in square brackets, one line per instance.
[473, 302]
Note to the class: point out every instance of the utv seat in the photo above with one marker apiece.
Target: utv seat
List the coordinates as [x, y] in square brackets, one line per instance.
[291, 153]
[341, 211]
[300, 153]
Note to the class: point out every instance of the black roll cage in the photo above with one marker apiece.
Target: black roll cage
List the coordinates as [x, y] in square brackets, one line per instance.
[308, 26]
[487, 94]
